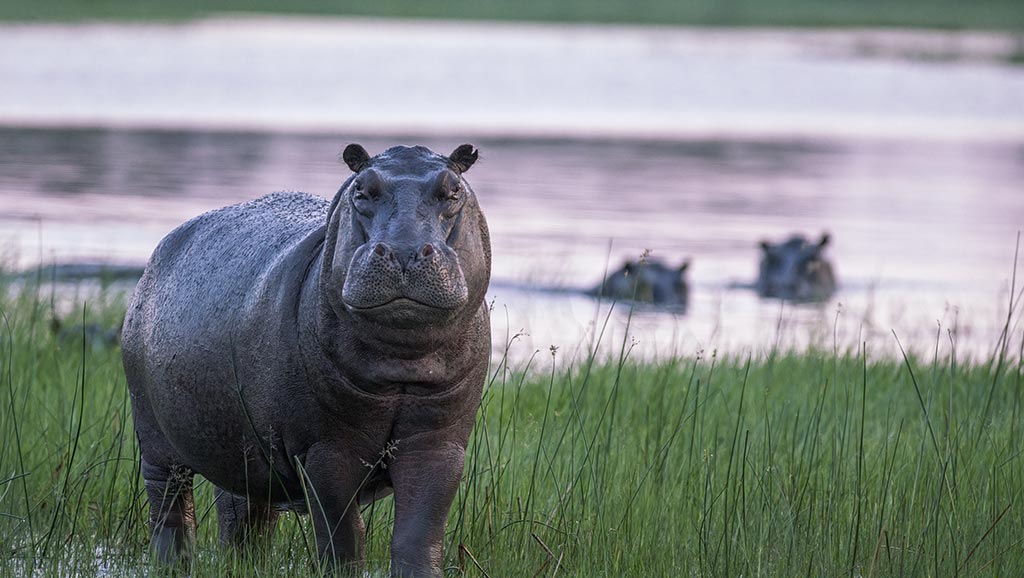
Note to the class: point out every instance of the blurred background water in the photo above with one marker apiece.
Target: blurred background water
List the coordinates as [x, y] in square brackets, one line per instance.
[597, 143]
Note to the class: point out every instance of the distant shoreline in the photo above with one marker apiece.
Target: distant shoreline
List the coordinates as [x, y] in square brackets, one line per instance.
[520, 80]
[1005, 15]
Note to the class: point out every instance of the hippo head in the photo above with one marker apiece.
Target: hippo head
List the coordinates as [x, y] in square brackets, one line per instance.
[647, 281]
[796, 270]
[655, 282]
[407, 245]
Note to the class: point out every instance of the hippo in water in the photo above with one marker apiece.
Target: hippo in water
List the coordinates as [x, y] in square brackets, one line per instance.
[312, 356]
[647, 281]
[796, 270]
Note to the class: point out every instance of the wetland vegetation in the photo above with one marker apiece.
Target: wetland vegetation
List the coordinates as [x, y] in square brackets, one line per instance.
[824, 462]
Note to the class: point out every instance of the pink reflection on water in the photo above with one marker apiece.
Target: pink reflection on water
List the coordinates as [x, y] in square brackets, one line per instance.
[924, 232]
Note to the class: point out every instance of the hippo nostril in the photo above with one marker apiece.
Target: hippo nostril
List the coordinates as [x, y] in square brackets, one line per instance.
[427, 250]
[380, 249]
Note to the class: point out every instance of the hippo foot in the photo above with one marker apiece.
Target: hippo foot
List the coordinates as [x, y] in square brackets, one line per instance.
[171, 546]
[172, 516]
[403, 570]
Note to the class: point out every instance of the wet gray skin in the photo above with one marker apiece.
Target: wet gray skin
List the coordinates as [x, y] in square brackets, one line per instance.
[796, 270]
[647, 281]
[315, 356]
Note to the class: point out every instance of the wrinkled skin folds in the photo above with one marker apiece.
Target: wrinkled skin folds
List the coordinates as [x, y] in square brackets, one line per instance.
[796, 270]
[312, 356]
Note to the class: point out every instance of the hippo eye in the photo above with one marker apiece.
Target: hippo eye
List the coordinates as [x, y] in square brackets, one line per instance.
[454, 193]
[359, 191]
[362, 199]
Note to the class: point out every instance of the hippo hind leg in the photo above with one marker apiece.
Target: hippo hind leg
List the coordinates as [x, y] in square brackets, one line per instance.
[172, 514]
[244, 522]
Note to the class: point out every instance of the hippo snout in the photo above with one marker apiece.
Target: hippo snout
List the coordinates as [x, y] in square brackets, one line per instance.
[404, 258]
[428, 274]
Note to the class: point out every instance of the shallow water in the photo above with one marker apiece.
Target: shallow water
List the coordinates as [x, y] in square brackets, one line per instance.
[923, 232]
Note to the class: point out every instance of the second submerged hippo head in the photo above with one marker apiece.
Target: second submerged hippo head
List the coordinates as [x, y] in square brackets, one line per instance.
[796, 269]
[647, 281]
[407, 243]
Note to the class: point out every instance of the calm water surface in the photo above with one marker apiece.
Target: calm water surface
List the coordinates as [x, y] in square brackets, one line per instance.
[923, 233]
[331, 74]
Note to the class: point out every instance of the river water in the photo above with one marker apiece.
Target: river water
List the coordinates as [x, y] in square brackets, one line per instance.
[915, 168]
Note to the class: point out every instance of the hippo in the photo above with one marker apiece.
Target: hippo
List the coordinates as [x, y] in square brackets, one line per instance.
[315, 356]
[795, 270]
[647, 281]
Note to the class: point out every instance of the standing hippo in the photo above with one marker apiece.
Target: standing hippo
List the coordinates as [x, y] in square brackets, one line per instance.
[647, 281]
[316, 356]
[796, 270]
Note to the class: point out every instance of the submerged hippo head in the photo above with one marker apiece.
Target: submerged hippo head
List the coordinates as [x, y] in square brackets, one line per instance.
[647, 281]
[407, 243]
[796, 270]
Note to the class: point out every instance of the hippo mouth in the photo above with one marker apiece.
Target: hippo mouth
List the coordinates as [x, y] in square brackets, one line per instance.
[399, 303]
[404, 312]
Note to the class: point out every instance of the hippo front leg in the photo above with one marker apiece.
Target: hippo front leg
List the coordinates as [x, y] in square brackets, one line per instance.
[425, 482]
[333, 480]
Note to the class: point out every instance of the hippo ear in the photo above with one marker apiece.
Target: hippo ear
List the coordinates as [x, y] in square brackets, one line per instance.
[825, 238]
[684, 266]
[356, 157]
[765, 246]
[463, 157]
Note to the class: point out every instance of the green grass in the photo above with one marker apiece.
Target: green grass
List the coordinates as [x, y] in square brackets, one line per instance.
[946, 14]
[810, 464]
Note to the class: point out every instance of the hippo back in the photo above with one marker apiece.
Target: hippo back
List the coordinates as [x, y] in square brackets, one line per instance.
[207, 268]
[215, 297]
